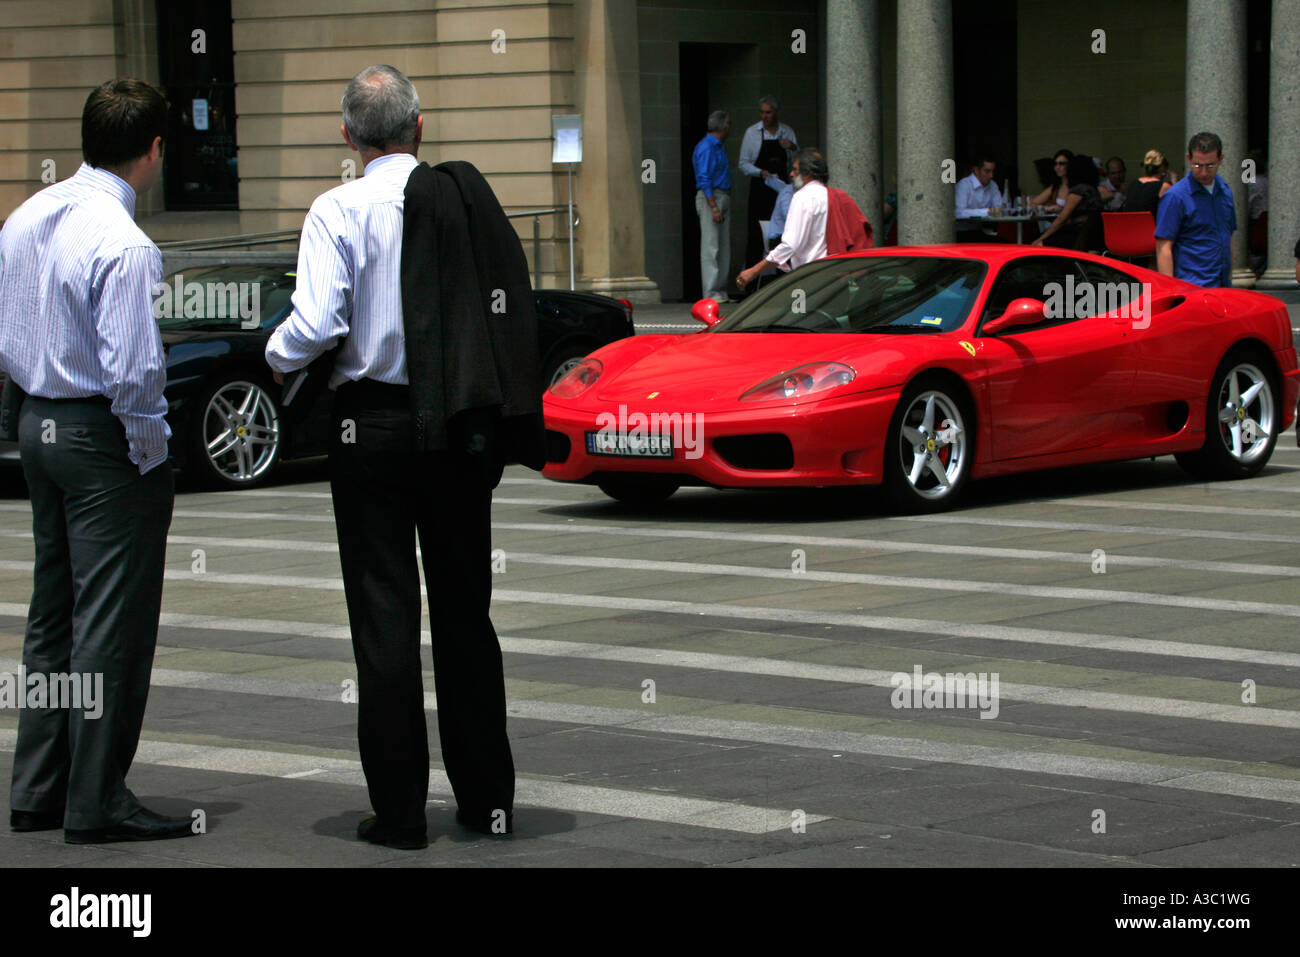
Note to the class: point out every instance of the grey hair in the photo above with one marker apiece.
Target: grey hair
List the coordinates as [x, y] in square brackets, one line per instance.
[770, 100]
[718, 120]
[812, 165]
[380, 107]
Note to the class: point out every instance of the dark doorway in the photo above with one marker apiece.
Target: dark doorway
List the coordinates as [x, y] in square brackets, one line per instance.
[984, 82]
[196, 58]
[715, 76]
[1259, 31]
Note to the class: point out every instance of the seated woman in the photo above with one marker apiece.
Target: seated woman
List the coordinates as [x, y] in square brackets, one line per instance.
[1144, 193]
[1078, 224]
[1056, 193]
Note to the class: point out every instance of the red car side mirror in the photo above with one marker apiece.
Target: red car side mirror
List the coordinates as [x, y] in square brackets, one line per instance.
[1021, 312]
[706, 311]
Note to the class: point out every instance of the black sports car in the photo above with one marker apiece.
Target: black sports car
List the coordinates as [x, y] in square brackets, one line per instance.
[222, 405]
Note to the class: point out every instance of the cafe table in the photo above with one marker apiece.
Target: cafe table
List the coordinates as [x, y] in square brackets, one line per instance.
[1019, 219]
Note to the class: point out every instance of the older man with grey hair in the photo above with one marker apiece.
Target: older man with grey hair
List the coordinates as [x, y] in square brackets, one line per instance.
[712, 203]
[766, 152]
[390, 486]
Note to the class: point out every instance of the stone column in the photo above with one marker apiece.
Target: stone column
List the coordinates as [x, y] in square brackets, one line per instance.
[853, 105]
[1283, 147]
[607, 184]
[925, 123]
[1216, 102]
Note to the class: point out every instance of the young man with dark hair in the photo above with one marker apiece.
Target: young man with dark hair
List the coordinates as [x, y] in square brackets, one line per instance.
[1196, 219]
[978, 195]
[78, 337]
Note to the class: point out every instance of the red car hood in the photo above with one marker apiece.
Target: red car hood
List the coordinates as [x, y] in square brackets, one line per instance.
[719, 367]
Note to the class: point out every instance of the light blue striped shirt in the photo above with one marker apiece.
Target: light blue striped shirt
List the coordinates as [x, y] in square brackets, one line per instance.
[76, 313]
[349, 279]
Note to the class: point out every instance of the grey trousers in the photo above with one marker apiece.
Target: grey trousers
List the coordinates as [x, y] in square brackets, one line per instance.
[101, 537]
[715, 245]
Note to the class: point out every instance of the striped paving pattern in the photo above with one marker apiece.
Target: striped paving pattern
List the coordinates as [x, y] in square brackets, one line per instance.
[717, 682]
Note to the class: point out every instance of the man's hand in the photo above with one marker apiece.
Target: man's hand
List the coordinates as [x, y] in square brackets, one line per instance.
[786, 143]
[749, 275]
[717, 214]
[995, 210]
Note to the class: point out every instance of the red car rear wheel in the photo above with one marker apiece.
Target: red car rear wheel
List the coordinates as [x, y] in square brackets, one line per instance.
[1241, 420]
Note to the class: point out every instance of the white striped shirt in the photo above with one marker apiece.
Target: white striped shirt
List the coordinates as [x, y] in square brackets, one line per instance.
[349, 279]
[76, 309]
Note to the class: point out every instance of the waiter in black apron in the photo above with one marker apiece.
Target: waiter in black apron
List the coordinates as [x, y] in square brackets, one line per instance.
[765, 149]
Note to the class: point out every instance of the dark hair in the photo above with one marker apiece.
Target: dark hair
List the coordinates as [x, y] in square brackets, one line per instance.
[120, 121]
[1119, 160]
[979, 159]
[1205, 143]
[1056, 177]
[1043, 167]
[812, 165]
[1082, 170]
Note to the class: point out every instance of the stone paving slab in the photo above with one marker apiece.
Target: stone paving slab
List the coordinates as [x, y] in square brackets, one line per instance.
[884, 810]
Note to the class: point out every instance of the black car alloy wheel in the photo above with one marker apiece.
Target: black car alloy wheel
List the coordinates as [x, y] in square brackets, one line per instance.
[236, 433]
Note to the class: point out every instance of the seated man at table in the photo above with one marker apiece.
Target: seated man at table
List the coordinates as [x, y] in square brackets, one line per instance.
[978, 195]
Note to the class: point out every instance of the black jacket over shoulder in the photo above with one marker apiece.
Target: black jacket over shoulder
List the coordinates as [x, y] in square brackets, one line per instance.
[471, 329]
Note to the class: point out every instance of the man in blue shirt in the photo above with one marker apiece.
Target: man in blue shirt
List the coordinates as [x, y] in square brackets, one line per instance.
[1196, 219]
[712, 203]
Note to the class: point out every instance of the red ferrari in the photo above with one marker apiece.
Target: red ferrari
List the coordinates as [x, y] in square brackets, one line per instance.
[920, 368]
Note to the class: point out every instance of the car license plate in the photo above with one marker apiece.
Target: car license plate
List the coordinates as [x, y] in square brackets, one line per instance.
[634, 445]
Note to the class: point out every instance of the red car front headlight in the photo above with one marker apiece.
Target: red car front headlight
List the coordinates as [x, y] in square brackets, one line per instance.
[578, 380]
[803, 381]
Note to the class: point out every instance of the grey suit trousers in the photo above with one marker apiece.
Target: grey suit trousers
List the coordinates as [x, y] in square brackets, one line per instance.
[101, 536]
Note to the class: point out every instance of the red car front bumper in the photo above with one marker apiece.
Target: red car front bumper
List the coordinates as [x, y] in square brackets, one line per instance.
[836, 441]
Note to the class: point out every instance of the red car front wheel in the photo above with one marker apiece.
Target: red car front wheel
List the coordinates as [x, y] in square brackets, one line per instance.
[929, 449]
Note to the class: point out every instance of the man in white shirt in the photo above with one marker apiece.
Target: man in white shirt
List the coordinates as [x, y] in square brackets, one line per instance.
[78, 337]
[978, 195]
[386, 493]
[766, 151]
[804, 238]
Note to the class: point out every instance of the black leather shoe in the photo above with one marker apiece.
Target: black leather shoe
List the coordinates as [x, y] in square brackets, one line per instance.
[401, 839]
[486, 824]
[143, 825]
[35, 820]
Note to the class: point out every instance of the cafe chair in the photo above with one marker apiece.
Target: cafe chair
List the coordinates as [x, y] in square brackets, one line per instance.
[1129, 235]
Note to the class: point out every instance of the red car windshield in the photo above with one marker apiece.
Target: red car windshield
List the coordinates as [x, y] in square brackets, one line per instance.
[878, 294]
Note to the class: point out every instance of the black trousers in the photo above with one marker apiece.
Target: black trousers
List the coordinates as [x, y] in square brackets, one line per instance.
[385, 496]
[100, 531]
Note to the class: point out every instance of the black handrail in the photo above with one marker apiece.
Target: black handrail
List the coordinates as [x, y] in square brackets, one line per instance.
[284, 235]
